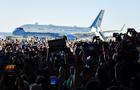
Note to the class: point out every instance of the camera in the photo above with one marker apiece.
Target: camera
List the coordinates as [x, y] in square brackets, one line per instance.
[118, 36]
[130, 30]
[115, 34]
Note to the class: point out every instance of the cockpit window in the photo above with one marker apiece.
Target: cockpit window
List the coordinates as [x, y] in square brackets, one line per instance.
[20, 28]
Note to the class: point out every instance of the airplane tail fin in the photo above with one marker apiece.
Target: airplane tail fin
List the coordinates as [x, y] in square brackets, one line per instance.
[97, 23]
[98, 20]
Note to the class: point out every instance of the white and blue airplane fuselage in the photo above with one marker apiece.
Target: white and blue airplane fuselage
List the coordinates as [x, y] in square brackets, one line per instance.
[56, 31]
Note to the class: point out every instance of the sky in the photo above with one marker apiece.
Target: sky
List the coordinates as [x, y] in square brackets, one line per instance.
[14, 13]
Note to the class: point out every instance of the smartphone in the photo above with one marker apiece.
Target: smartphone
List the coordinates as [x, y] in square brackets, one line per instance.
[53, 80]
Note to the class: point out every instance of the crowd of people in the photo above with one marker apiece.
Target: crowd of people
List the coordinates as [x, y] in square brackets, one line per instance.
[95, 65]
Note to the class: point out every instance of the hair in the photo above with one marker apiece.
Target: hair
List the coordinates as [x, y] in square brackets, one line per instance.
[92, 85]
[135, 82]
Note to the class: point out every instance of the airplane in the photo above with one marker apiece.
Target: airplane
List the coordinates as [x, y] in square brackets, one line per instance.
[57, 31]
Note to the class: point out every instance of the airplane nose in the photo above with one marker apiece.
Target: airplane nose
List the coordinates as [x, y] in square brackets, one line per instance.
[18, 31]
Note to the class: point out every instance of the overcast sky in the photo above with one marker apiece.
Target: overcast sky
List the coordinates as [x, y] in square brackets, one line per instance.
[14, 13]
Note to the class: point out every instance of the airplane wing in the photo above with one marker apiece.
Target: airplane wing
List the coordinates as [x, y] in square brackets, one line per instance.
[84, 35]
[114, 31]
